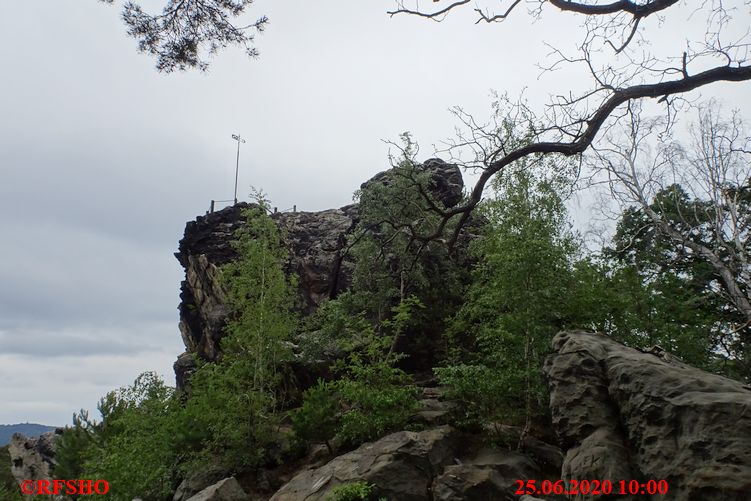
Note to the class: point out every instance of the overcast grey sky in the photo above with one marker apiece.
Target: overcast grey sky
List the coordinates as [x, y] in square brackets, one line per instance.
[103, 160]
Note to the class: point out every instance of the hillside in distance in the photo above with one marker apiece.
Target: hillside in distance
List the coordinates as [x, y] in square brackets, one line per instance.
[28, 429]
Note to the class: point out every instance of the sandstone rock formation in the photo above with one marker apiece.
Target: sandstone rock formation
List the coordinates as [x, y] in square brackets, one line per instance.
[402, 466]
[623, 414]
[436, 464]
[198, 481]
[620, 414]
[316, 242]
[224, 490]
[491, 474]
[446, 181]
[32, 458]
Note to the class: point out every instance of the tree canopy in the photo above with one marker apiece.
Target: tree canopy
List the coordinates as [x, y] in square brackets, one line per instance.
[187, 32]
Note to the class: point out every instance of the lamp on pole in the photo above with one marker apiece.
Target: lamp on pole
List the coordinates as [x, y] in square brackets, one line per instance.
[239, 140]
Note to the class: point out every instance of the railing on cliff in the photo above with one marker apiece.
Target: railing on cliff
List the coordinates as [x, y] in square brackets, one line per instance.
[212, 207]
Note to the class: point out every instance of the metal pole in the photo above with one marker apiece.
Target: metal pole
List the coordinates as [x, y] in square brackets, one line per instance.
[237, 138]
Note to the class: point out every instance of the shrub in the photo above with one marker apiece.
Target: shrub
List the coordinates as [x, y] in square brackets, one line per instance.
[356, 491]
[317, 419]
[371, 396]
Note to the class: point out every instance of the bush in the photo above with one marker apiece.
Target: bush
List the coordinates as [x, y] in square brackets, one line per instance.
[9, 493]
[516, 304]
[9, 490]
[356, 491]
[317, 419]
[371, 396]
[236, 399]
[379, 401]
[134, 446]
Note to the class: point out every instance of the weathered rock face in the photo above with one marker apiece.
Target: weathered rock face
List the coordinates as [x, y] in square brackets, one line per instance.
[446, 181]
[489, 474]
[401, 465]
[32, 458]
[624, 414]
[225, 490]
[432, 465]
[198, 481]
[316, 242]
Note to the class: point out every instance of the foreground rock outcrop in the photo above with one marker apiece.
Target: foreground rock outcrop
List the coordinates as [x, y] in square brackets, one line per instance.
[623, 414]
[433, 465]
[225, 490]
[198, 481]
[402, 466]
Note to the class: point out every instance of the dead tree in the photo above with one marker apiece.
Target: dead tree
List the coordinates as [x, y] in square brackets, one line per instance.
[696, 197]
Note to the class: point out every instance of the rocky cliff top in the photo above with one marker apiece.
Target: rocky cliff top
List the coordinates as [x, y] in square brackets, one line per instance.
[316, 242]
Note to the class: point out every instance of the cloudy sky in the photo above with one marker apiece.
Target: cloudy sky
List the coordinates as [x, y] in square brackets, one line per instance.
[103, 160]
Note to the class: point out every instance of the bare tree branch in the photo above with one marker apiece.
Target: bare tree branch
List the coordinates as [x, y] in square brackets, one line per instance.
[571, 123]
[697, 197]
[596, 120]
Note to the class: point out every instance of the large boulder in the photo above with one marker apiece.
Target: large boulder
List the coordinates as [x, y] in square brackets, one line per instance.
[446, 182]
[401, 465]
[493, 474]
[624, 414]
[439, 464]
[225, 490]
[198, 481]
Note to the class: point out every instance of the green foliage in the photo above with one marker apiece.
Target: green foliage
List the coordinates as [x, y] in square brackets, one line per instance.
[133, 446]
[371, 396]
[356, 491]
[237, 398]
[71, 450]
[379, 402]
[317, 420]
[391, 265]
[376, 393]
[334, 327]
[149, 436]
[517, 302]
[9, 490]
[10, 493]
[664, 294]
